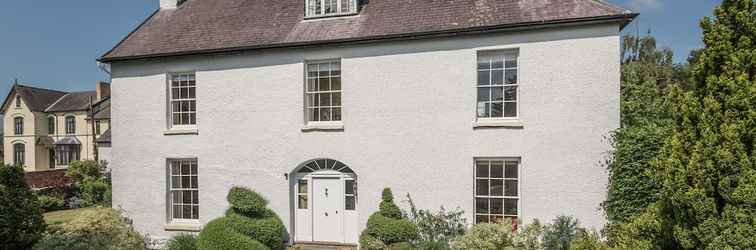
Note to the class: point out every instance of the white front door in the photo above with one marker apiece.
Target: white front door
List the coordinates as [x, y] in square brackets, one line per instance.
[327, 211]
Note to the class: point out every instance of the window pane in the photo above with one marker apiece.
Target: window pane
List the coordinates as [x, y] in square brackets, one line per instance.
[194, 182]
[497, 206]
[176, 182]
[484, 62]
[186, 197]
[481, 187]
[195, 212]
[312, 84]
[336, 67]
[302, 202]
[496, 109]
[336, 99]
[496, 94]
[349, 203]
[185, 181]
[510, 109]
[497, 77]
[302, 186]
[481, 169]
[176, 196]
[336, 114]
[498, 62]
[195, 197]
[336, 83]
[484, 109]
[484, 77]
[483, 94]
[349, 186]
[192, 93]
[325, 114]
[177, 212]
[511, 61]
[511, 76]
[497, 187]
[185, 170]
[174, 92]
[510, 206]
[325, 99]
[481, 205]
[313, 114]
[497, 169]
[510, 93]
[323, 84]
[194, 168]
[481, 219]
[186, 211]
[511, 169]
[511, 188]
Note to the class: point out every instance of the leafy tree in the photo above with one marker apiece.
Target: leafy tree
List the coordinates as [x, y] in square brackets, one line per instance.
[707, 168]
[647, 72]
[91, 181]
[21, 223]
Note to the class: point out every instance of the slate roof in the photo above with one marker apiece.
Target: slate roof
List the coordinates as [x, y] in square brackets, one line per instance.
[37, 99]
[202, 26]
[74, 101]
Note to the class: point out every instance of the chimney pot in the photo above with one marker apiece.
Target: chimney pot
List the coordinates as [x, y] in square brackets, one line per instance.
[168, 4]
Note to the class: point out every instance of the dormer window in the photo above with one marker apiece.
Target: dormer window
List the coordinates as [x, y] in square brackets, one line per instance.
[322, 8]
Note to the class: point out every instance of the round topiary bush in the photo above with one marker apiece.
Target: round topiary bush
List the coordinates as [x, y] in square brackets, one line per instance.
[248, 224]
[388, 227]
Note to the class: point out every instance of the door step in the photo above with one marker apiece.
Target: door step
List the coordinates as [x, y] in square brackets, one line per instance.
[321, 246]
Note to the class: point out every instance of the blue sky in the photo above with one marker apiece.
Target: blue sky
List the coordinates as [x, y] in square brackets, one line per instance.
[54, 44]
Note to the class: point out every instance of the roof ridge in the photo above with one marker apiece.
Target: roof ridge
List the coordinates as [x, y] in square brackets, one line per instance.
[32, 87]
[56, 102]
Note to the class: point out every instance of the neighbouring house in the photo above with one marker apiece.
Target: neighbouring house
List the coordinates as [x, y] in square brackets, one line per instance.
[500, 108]
[47, 129]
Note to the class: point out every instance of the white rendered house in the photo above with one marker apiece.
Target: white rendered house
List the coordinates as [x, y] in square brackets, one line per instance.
[497, 107]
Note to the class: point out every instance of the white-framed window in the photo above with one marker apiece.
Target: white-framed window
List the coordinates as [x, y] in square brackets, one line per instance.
[19, 153]
[18, 125]
[183, 190]
[51, 125]
[320, 8]
[497, 192]
[182, 99]
[302, 194]
[97, 127]
[70, 125]
[66, 153]
[497, 84]
[350, 197]
[18, 101]
[323, 91]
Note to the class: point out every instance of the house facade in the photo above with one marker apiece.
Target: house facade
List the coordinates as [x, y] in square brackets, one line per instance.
[499, 108]
[47, 129]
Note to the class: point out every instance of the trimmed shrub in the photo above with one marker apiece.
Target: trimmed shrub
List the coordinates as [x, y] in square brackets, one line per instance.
[387, 226]
[91, 181]
[67, 242]
[217, 235]
[390, 230]
[21, 223]
[245, 202]
[51, 203]
[248, 224]
[182, 242]
[267, 230]
[432, 245]
[560, 233]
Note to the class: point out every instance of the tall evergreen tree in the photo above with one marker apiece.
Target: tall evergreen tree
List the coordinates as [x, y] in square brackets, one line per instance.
[21, 223]
[707, 167]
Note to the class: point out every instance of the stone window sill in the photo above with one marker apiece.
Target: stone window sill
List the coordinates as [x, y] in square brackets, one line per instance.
[181, 131]
[330, 126]
[498, 124]
[184, 227]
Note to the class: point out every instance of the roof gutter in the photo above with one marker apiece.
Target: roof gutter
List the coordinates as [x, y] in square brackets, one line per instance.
[623, 19]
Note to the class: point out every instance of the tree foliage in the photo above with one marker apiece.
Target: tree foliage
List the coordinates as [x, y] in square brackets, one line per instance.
[705, 170]
[21, 223]
[707, 167]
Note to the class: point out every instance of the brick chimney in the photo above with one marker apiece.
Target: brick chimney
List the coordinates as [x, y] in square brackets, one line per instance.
[169, 4]
[103, 90]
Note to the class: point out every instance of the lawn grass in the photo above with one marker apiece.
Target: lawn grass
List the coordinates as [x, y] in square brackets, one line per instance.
[57, 218]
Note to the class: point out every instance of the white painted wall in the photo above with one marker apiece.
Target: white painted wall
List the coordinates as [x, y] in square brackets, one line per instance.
[408, 114]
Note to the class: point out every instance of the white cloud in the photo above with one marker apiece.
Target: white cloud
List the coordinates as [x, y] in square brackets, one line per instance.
[644, 4]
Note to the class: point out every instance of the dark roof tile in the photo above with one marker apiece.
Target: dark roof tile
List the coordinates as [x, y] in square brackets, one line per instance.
[37, 99]
[75, 101]
[222, 25]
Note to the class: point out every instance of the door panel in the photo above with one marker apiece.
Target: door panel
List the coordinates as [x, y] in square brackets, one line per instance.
[327, 195]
